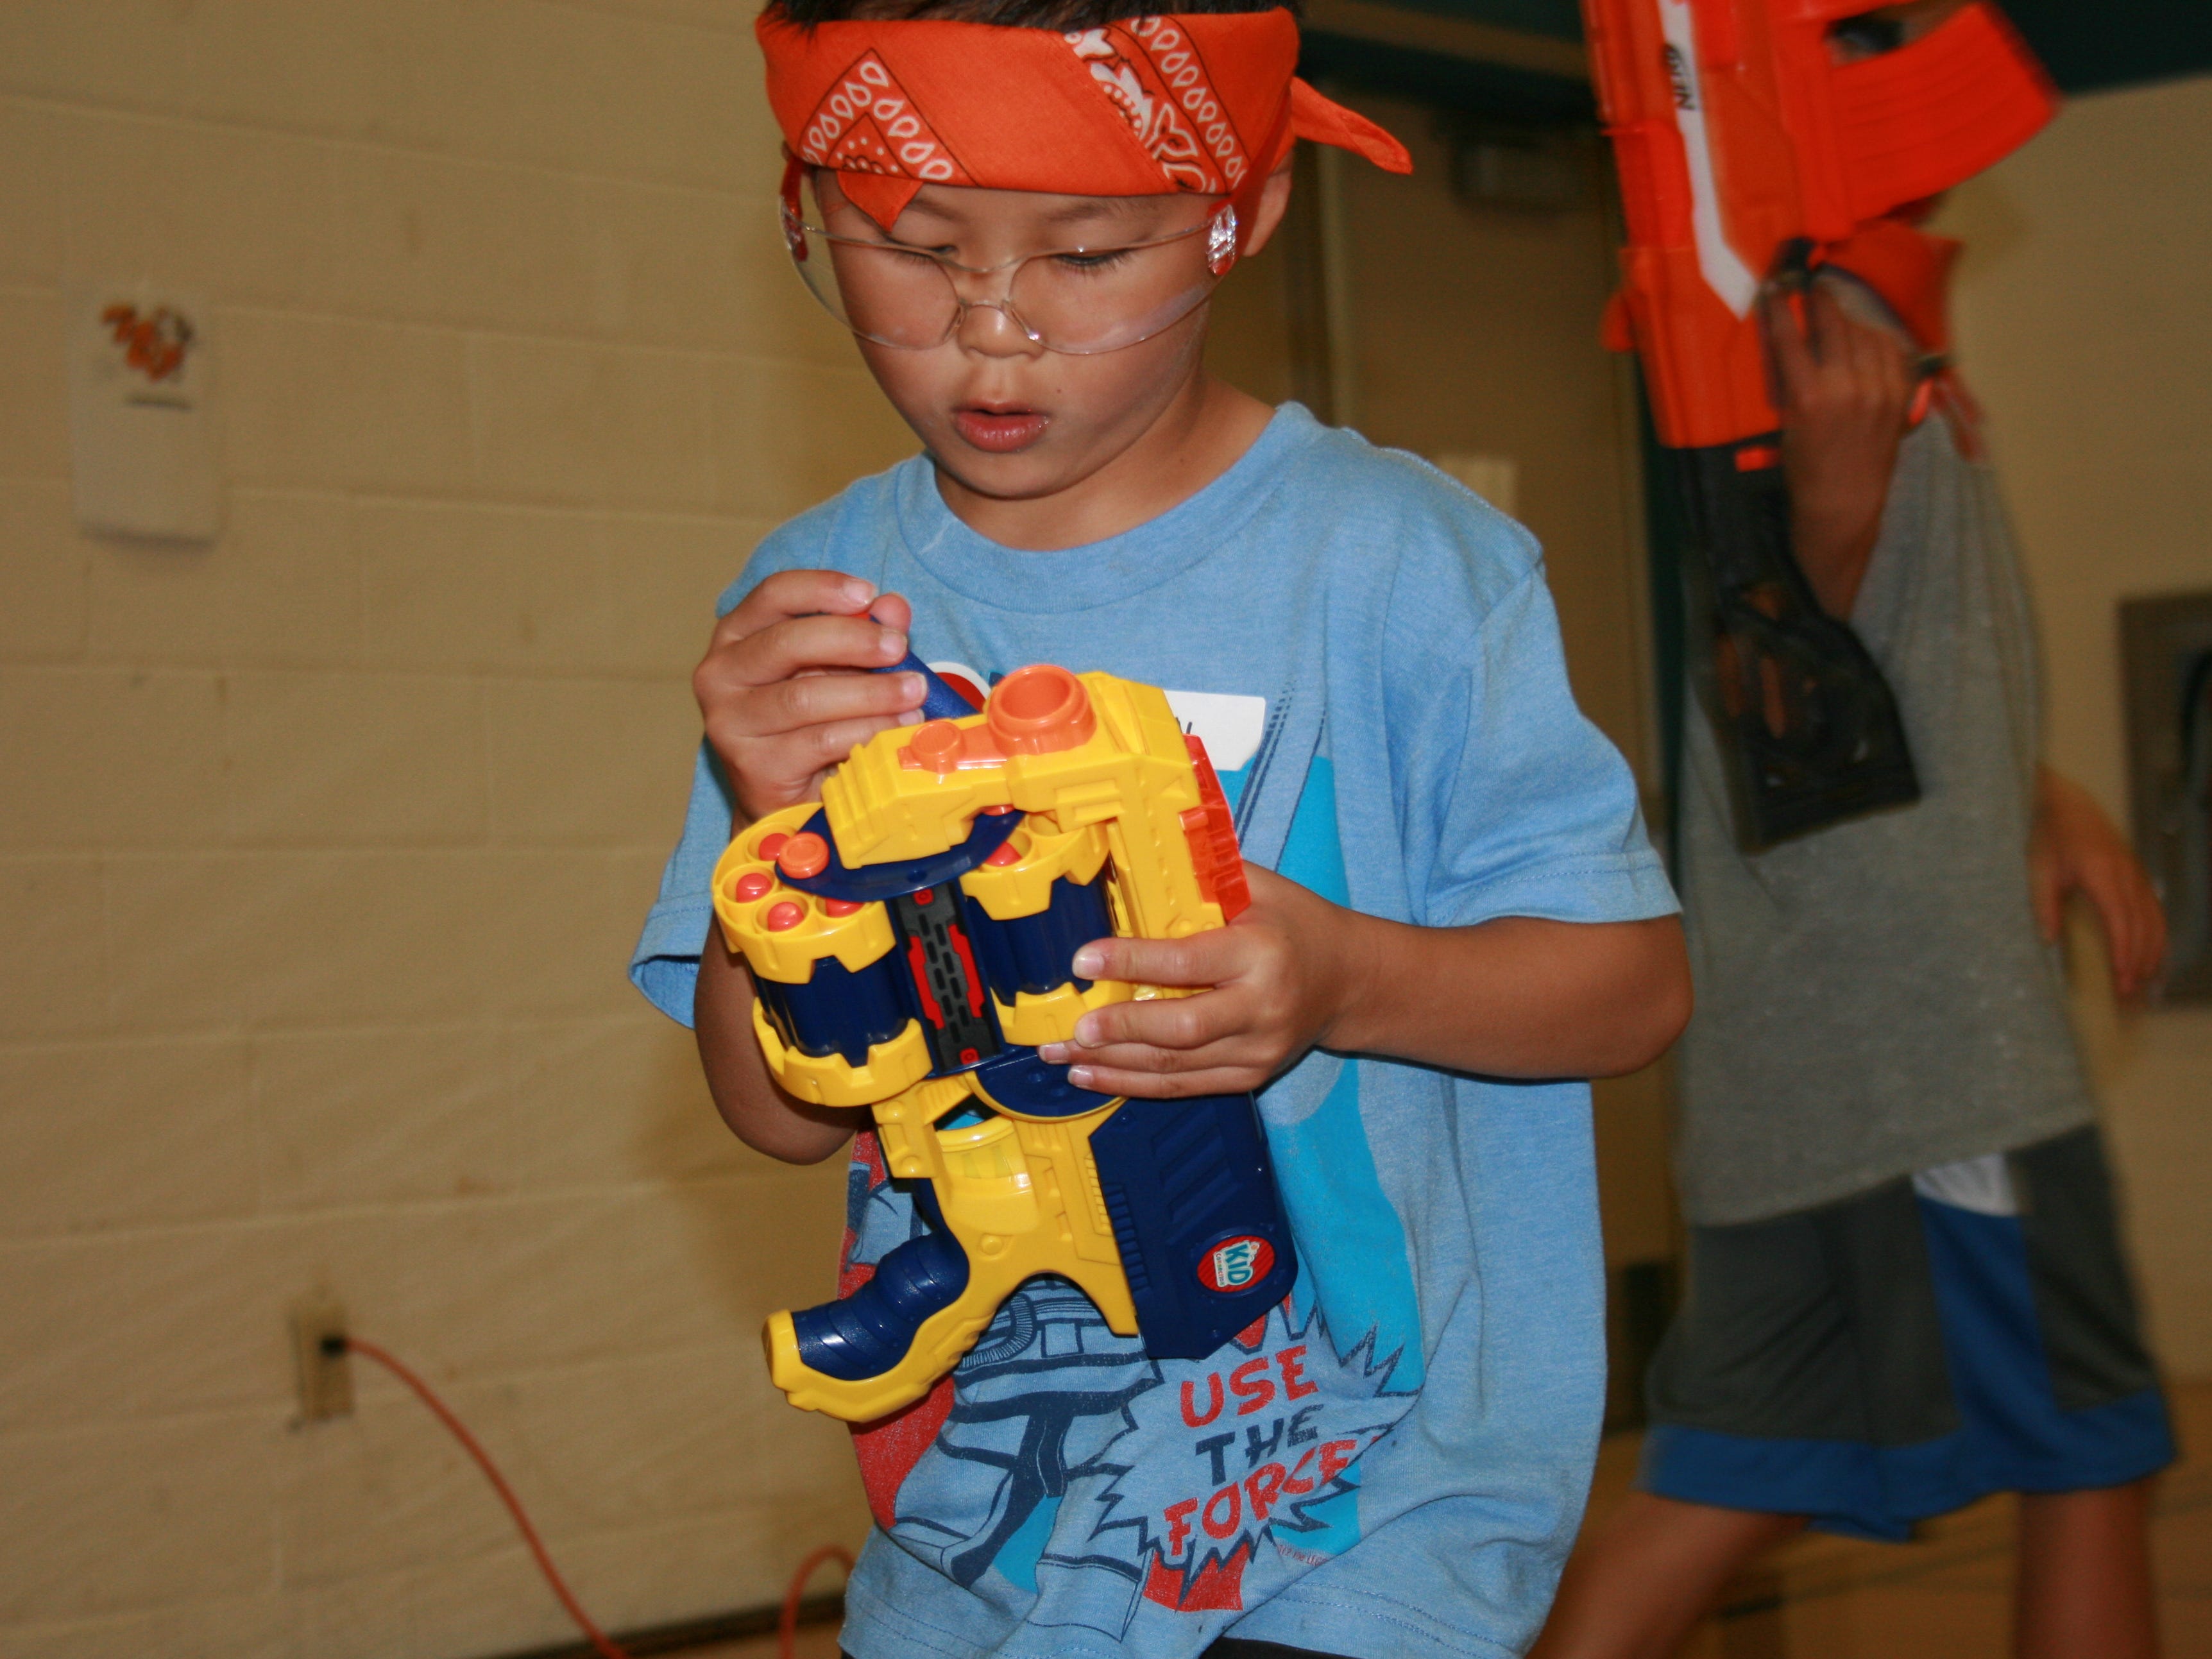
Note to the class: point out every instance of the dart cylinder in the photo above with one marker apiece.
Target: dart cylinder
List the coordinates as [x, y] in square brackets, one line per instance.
[1030, 906]
[1032, 953]
[835, 1005]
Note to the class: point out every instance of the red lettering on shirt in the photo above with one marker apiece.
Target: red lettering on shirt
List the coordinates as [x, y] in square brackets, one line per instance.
[1249, 1386]
[1214, 1406]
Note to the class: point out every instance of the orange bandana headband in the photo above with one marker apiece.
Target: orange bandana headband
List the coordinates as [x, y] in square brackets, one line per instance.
[1206, 103]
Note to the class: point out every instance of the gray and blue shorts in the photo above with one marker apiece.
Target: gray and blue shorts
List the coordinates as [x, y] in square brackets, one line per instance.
[1896, 1355]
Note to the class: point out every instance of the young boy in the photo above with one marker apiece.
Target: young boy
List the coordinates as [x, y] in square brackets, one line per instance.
[1021, 221]
[1905, 1289]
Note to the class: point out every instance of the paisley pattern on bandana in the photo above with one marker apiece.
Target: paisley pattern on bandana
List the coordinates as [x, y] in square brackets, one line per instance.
[1204, 102]
[1151, 71]
[867, 124]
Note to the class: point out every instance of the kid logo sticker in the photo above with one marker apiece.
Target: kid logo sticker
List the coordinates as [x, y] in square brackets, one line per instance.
[867, 124]
[1235, 1263]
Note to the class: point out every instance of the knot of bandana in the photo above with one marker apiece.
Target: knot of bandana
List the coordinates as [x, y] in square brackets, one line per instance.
[1206, 102]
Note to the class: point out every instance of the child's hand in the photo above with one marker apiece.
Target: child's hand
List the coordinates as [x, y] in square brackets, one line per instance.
[1845, 391]
[779, 713]
[1277, 987]
[2075, 845]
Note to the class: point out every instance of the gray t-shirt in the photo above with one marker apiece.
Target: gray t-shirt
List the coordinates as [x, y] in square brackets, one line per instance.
[1874, 1000]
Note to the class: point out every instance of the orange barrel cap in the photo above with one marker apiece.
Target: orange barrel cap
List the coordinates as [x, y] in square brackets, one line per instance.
[1040, 710]
[805, 854]
[936, 746]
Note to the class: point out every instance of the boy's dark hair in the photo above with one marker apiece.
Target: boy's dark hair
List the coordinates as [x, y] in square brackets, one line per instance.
[1013, 14]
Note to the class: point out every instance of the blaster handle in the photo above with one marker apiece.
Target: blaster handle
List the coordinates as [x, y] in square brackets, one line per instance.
[1809, 731]
[1163, 1212]
[870, 1332]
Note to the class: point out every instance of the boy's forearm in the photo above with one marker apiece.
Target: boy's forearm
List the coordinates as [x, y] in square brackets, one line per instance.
[1835, 550]
[1514, 997]
[760, 1114]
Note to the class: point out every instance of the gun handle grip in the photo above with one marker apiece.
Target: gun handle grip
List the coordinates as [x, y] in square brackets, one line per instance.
[870, 1332]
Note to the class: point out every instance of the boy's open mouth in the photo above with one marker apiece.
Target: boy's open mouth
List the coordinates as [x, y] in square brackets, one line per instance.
[1000, 429]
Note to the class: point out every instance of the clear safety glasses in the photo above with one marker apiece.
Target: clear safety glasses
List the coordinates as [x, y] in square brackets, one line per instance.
[1075, 300]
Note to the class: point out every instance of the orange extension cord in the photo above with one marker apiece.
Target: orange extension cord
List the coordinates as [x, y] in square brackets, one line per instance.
[786, 1626]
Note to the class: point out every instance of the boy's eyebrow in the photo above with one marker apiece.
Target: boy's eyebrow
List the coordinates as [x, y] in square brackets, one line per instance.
[1073, 213]
[1095, 208]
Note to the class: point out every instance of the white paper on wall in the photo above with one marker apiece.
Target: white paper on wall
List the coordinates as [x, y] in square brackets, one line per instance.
[143, 437]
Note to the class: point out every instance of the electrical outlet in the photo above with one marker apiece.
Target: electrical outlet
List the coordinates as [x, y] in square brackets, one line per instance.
[326, 1370]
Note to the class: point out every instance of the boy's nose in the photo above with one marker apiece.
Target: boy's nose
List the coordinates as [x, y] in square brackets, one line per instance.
[993, 328]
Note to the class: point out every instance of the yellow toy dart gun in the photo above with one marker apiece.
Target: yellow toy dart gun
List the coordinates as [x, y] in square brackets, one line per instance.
[910, 941]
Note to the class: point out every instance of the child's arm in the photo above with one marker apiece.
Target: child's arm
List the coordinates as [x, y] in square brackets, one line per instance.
[786, 691]
[2073, 845]
[1514, 997]
[1846, 391]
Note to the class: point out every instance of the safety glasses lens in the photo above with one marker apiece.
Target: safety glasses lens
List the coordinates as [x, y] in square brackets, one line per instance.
[1076, 303]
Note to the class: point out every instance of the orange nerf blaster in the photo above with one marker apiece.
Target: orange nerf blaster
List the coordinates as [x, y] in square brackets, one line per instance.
[1745, 150]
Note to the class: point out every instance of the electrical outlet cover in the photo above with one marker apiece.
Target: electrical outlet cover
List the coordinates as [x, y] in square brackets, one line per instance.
[325, 1379]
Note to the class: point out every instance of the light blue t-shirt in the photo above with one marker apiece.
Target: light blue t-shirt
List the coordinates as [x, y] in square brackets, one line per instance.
[1393, 1461]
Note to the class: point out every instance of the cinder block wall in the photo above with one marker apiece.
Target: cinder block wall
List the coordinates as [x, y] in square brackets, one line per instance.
[322, 848]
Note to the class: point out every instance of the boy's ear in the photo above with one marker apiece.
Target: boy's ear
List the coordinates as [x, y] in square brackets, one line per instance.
[1275, 202]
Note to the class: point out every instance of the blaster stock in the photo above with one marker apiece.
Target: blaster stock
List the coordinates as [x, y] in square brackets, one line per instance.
[909, 941]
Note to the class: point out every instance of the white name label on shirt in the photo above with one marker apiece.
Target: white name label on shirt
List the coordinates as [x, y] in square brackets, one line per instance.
[1228, 723]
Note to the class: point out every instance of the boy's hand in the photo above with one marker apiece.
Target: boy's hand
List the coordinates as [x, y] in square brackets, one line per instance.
[785, 688]
[1276, 988]
[1846, 391]
[2073, 845]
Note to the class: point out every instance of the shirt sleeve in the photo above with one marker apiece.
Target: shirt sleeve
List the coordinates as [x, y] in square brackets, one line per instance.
[1510, 801]
[666, 964]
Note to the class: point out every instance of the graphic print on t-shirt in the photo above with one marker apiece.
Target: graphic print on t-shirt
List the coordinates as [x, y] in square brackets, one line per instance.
[1059, 1465]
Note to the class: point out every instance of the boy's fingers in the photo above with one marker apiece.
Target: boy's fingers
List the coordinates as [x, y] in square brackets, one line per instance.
[1136, 1057]
[1176, 1023]
[1793, 359]
[805, 700]
[813, 708]
[893, 611]
[802, 644]
[1165, 1085]
[1881, 362]
[1827, 328]
[2145, 926]
[2120, 909]
[1201, 960]
[814, 747]
[790, 594]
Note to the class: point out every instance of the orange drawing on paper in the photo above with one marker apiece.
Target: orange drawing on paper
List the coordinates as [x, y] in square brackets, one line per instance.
[154, 343]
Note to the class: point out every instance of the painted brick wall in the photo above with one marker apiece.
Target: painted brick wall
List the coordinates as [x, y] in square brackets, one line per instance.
[322, 849]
